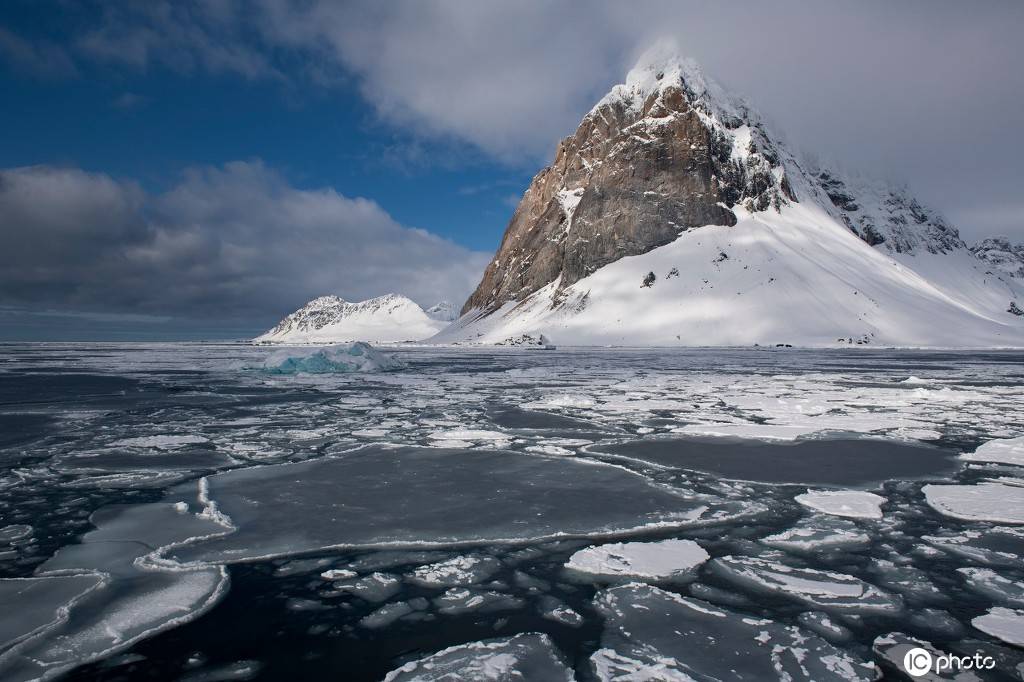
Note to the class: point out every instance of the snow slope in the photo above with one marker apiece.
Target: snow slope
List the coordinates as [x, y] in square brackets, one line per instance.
[845, 261]
[331, 319]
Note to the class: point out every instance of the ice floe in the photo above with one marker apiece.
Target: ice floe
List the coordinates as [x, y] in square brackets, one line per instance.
[982, 502]
[855, 504]
[1005, 451]
[653, 561]
[651, 634]
[1003, 624]
[427, 496]
[160, 442]
[355, 357]
[528, 656]
[459, 600]
[825, 590]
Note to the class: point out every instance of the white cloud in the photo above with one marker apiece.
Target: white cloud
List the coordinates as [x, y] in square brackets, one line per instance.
[235, 242]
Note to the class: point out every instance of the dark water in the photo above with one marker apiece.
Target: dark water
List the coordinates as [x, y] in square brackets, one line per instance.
[66, 412]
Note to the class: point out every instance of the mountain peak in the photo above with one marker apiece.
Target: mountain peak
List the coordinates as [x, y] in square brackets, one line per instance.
[386, 318]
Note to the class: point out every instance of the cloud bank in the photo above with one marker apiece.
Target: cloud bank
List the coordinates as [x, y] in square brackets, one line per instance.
[235, 243]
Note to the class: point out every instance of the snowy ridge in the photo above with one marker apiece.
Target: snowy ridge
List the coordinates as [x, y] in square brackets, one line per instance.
[798, 254]
[331, 319]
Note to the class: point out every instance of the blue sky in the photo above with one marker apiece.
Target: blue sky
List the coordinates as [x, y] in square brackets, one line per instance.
[200, 168]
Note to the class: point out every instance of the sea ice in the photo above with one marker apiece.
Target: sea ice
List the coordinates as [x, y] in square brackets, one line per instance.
[855, 504]
[355, 357]
[982, 502]
[821, 589]
[31, 605]
[1003, 624]
[458, 600]
[999, 588]
[460, 570]
[1004, 451]
[139, 600]
[161, 442]
[527, 656]
[376, 587]
[651, 634]
[893, 647]
[818, 534]
[653, 561]
[380, 496]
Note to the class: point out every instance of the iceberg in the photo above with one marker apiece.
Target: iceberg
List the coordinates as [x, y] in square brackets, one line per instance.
[343, 358]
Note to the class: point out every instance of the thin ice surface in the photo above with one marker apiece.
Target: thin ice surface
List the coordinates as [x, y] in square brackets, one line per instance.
[381, 496]
[530, 656]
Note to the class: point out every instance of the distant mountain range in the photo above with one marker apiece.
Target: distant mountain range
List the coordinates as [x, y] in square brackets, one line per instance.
[673, 216]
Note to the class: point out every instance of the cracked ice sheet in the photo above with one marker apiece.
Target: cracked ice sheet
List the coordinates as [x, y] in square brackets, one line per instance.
[651, 634]
[425, 496]
[1004, 451]
[528, 656]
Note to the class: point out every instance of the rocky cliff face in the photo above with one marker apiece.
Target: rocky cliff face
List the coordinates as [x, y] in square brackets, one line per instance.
[1002, 256]
[665, 152]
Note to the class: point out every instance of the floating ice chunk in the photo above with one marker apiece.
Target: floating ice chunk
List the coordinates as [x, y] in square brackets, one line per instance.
[553, 609]
[915, 381]
[654, 561]
[816, 534]
[751, 430]
[386, 615]
[826, 626]
[1003, 624]
[989, 583]
[15, 532]
[131, 480]
[379, 496]
[854, 504]
[907, 580]
[528, 656]
[565, 400]
[821, 589]
[376, 587]
[355, 357]
[457, 600]
[163, 442]
[981, 502]
[468, 436]
[460, 570]
[1002, 546]
[651, 634]
[1004, 451]
[239, 670]
[552, 450]
[338, 574]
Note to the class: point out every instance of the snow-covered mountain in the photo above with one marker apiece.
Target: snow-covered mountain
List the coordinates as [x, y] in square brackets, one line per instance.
[672, 216]
[444, 311]
[330, 319]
